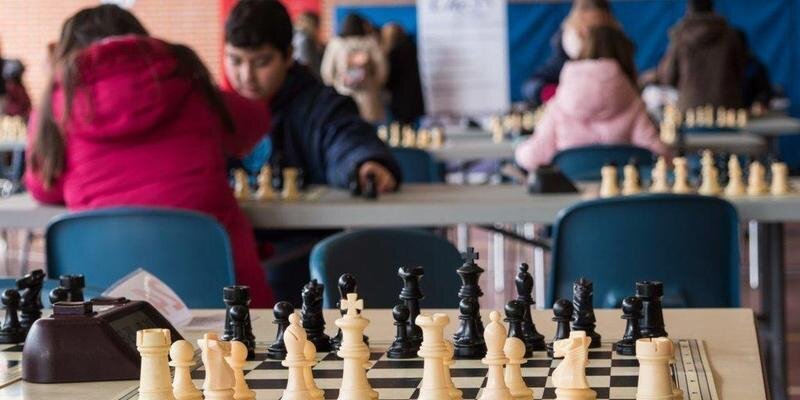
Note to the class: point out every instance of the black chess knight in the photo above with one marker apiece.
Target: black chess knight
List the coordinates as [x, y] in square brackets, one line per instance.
[583, 318]
[311, 315]
[30, 287]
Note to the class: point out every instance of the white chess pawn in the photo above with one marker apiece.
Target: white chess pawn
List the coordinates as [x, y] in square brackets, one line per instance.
[265, 191]
[495, 337]
[434, 384]
[455, 394]
[291, 191]
[236, 360]
[709, 112]
[690, 120]
[295, 339]
[757, 180]
[182, 355]
[219, 381]
[383, 133]
[515, 352]
[394, 134]
[710, 185]
[354, 352]
[437, 137]
[409, 137]
[780, 179]
[730, 118]
[735, 185]
[311, 356]
[529, 121]
[153, 346]
[655, 380]
[668, 132]
[498, 130]
[241, 188]
[608, 183]
[630, 184]
[659, 176]
[741, 118]
[423, 139]
[569, 378]
[681, 172]
[722, 120]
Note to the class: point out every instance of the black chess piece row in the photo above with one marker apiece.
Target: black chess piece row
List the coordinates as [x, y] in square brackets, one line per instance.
[238, 325]
[70, 288]
[409, 336]
[577, 315]
[26, 300]
[644, 316]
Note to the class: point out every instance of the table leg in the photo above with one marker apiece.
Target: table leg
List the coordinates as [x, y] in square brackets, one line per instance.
[773, 305]
[462, 237]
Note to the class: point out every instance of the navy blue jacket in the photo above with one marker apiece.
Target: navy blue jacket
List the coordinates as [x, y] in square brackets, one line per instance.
[320, 131]
[548, 73]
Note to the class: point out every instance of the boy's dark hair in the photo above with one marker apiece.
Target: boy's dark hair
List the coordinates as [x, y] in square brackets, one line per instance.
[254, 23]
[701, 6]
[353, 25]
[610, 42]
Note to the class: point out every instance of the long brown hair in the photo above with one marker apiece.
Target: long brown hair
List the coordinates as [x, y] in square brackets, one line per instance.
[80, 31]
[608, 42]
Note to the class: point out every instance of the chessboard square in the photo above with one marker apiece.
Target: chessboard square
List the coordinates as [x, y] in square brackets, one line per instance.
[625, 381]
[395, 382]
[251, 365]
[12, 348]
[268, 393]
[330, 364]
[198, 374]
[395, 373]
[599, 381]
[623, 393]
[328, 383]
[270, 364]
[468, 372]
[331, 357]
[267, 374]
[470, 393]
[625, 362]
[594, 371]
[469, 382]
[599, 363]
[259, 357]
[469, 364]
[376, 356]
[538, 391]
[538, 363]
[399, 364]
[536, 372]
[549, 393]
[602, 393]
[600, 355]
[393, 393]
[624, 371]
[535, 381]
[328, 373]
[271, 383]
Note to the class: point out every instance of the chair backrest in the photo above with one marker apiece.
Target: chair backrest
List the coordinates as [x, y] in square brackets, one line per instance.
[584, 163]
[417, 166]
[373, 256]
[187, 250]
[691, 243]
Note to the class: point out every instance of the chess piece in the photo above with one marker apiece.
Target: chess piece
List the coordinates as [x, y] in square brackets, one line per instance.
[296, 361]
[756, 179]
[569, 377]
[652, 322]
[710, 184]
[631, 184]
[497, 129]
[632, 313]
[434, 385]
[58, 294]
[741, 118]
[291, 187]
[681, 171]
[660, 182]
[282, 310]
[383, 133]
[70, 288]
[655, 380]
[690, 120]
[370, 187]
[468, 339]
[608, 183]
[524, 283]
[709, 113]
[236, 360]
[668, 132]
[11, 331]
[514, 350]
[437, 137]
[394, 134]
[182, 355]
[409, 137]
[265, 191]
[562, 315]
[722, 115]
[276, 164]
[780, 179]
[30, 287]
[153, 345]
[241, 185]
[735, 185]
[583, 318]
[402, 347]
[347, 284]
[730, 118]
[448, 362]
[528, 121]
[311, 356]
[410, 295]
[423, 139]
[515, 312]
[313, 320]
[495, 336]
[238, 297]
[354, 384]
[219, 380]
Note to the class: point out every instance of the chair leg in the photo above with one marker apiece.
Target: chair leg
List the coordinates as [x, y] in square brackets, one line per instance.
[752, 245]
[498, 261]
[538, 268]
[462, 237]
[25, 251]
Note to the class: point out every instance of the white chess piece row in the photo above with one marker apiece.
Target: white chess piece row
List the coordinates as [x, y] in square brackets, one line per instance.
[265, 192]
[405, 136]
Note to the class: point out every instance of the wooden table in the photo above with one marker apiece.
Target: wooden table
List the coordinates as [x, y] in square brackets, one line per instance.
[729, 336]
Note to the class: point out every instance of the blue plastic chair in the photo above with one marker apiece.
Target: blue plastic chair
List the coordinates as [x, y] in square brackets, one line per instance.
[691, 243]
[584, 163]
[417, 166]
[373, 256]
[187, 250]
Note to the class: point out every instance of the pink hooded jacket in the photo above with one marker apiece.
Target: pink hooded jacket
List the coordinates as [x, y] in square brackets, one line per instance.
[595, 104]
[141, 135]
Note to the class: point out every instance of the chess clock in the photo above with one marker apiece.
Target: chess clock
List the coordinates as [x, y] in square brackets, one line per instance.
[89, 341]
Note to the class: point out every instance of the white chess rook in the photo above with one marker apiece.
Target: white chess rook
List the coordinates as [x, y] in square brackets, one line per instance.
[220, 380]
[433, 350]
[153, 345]
[495, 337]
[182, 355]
[655, 380]
[354, 352]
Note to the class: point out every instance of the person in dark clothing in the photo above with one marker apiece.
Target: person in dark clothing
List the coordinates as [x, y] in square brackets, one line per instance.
[406, 102]
[757, 91]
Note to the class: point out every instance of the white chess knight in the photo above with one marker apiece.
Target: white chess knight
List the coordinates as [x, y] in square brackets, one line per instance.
[659, 177]
[495, 337]
[434, 384]
[608, 184]
[220, 380]
[354, 352]
[153, 346]
[735, 185]
[295, 339]
[182, 355]
[655, 380]
[569, 378]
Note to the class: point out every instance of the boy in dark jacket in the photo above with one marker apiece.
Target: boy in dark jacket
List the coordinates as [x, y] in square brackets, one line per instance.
[314, 128]
[705, 60]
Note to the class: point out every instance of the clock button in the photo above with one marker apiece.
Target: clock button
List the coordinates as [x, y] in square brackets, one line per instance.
[72, 308]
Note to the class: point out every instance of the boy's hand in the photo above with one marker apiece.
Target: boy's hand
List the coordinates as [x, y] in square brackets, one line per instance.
[383, 178]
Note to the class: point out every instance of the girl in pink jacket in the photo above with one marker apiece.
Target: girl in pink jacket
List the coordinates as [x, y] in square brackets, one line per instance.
[129, 120]
[596, 103]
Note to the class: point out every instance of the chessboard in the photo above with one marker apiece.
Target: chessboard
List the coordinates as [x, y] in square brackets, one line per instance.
[612, 376]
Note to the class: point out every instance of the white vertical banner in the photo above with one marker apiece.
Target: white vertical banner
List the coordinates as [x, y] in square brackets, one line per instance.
[463, 53]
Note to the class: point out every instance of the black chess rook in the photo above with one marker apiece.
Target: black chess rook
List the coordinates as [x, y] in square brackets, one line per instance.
[583, 310]
[311, 315]
[652, 322]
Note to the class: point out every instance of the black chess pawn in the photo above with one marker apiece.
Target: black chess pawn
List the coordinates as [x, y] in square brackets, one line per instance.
[282, 311]
[470, 343]
[562, 315]
[583, 318]
[277, 172]
[347, 284]
[470, 273]
[515, 311]
[11, 331]
[403, 346]
[311, 316]
[30, 287]
[652, 322]
[239, 317]
[371, 187]
[237, 296]
[410, 295]
[74, 284]
[631, 312]
[524, 283]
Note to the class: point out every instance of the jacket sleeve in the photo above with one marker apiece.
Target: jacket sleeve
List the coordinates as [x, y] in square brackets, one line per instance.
[548, 73]
[540, 148]
[347, 141]
[251, 122]
[644, 134]
[33, 183]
